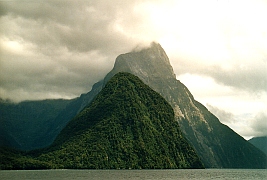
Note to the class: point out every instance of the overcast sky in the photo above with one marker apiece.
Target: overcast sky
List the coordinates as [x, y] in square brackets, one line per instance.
[218, 49]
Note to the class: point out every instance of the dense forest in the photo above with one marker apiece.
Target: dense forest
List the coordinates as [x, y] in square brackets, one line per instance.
[127, 126]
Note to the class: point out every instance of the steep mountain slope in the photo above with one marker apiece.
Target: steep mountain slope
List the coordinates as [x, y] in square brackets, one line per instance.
[217, 145]
[26, 125]
[260, 143]
[128, 125]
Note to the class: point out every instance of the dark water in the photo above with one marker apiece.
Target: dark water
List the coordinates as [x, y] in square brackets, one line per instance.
[249, 174]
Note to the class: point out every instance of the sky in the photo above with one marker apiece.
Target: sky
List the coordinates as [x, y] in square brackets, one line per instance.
[218, 49]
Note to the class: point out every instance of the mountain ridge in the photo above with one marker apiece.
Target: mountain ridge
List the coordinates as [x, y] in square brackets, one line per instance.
[127, 126]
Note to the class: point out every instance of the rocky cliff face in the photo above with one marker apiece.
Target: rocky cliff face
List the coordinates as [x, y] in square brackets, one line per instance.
[217, 145]
[151, 63]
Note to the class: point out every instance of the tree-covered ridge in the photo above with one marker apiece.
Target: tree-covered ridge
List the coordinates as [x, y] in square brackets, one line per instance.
[127, 126]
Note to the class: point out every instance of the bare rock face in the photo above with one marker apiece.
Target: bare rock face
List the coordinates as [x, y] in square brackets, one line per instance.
[149, 63]
[217, 145]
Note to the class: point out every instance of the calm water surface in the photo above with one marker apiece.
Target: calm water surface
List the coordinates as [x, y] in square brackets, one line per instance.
[249, 174]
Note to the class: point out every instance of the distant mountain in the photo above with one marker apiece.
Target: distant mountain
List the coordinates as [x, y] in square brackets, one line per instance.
[127, 126]
[260, 143]
[30, 125]
[26, 125]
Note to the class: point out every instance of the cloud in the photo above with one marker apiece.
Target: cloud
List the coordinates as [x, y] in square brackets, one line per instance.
[259, 124]
[78, 25]
[28, 73]
[219, 39]
[59, 48]
[250, 77]
[245, 124]
[72, 44]
[222, 115]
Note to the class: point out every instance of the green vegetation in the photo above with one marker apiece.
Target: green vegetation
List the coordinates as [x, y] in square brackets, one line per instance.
[127, 126]
[12, 159]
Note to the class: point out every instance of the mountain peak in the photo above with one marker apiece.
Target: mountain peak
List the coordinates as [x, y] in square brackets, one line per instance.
[145, 62]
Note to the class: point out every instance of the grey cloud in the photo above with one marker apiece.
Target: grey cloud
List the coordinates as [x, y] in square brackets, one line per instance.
[244, 124]
[83, 39]
[259, 124]
[78, 25]
[40, 10]
[68, 45]
[224, 117]
[252, 77]
[67, 75]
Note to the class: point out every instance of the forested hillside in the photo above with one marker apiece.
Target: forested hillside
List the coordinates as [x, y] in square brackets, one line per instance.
[127, 126]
